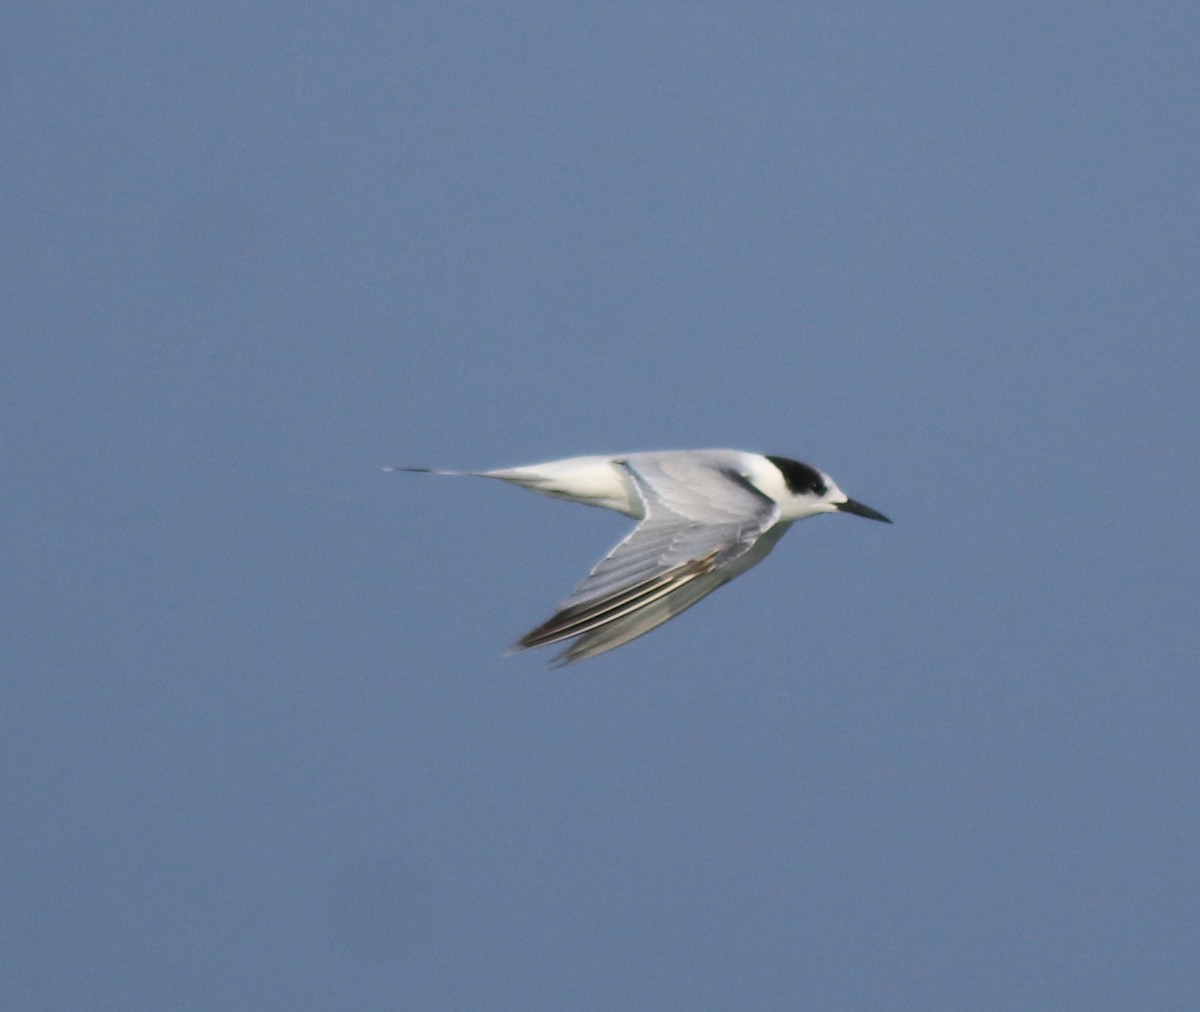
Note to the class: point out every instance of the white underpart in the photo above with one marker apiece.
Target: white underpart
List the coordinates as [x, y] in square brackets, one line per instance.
[594, 481]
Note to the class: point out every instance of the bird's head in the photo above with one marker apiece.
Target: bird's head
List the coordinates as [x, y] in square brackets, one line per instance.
[803, 491]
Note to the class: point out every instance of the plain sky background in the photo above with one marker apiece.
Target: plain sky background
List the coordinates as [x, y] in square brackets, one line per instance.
[260, 745]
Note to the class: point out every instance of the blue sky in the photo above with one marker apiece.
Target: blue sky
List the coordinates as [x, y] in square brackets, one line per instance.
[260, 745]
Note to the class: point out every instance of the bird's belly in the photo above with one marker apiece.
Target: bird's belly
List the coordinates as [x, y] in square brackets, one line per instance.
[594, 481]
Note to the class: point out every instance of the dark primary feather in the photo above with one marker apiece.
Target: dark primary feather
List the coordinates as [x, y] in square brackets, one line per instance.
[576, 621]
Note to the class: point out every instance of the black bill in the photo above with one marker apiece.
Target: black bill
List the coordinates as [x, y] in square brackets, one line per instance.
[858, 509]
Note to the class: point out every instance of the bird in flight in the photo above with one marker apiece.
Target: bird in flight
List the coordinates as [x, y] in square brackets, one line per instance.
[704, 517]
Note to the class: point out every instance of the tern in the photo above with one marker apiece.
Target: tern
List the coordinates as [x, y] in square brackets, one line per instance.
[705, 516]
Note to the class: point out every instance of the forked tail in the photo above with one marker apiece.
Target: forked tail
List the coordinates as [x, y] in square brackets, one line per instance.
[427, 470]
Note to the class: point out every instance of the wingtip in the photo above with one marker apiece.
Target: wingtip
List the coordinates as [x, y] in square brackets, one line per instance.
[559, 661]
[550, 631]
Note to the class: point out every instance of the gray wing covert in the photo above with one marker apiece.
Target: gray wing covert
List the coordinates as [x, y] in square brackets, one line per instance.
[699, 518]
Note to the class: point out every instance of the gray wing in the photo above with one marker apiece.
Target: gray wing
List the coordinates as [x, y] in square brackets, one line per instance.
[703, 526]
